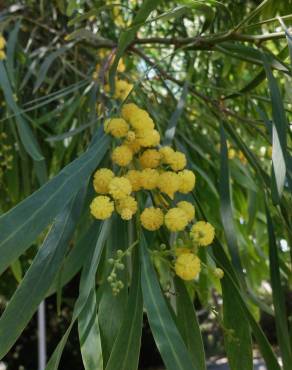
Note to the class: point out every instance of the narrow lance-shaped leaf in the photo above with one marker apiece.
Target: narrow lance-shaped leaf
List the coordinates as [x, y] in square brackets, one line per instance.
[110, 305]
[166, 335]
[237, 333]
[40, 275]
[125, 353]
[89, 335]
[280, 127]
[225, 205]
[278, 297]
[26, 135]
[188, 325]
[87, 281]
[21, 225]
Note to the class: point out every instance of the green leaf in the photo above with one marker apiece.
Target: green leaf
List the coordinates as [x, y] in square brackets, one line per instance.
[251, 55]
[278, 297]
[39, 276]
[46, 65]
[110, 305]
[229, 275]
[26, 135]
[280, 127]
[188, 325]
[166, 335]
[125, 352]
[16, 270]
[87, 282]
[171, 128]
[225, 205]
[76, 258]
[21, 225]
[128, 35]
[237, 334]
[89, 335]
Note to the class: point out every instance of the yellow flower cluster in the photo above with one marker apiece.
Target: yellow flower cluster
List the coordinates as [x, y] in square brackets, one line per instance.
[117, 190]
[150, 167]
[187, 264]
[2, 46]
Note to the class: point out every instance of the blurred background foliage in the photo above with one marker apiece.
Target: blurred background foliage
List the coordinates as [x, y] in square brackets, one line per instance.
[200, 66]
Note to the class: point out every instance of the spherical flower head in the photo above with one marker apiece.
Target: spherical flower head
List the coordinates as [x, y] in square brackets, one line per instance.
[102, 207]
[2, 42]
[149, 178]
[168, 183]
[117, 127]
[150, 158]
[166, 152]
[128, 110]
[122, 155]
[126, 207]
[131, 136]
[148, 137]
[176, 219]
[187, 266]
[120, 188]
[140, 120]
[188, 208]
[101, 180]
[187, 181]
[122, 89]
[152, 218]
[177, 161]
[134, 177]
[202, 233]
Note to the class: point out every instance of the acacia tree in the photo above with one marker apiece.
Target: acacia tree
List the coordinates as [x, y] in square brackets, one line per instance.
[147, 94]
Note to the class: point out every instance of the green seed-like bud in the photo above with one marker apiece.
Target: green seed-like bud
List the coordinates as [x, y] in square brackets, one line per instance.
[110, 279]
[111, 261]
[120, 266]
[119, 253]
[162, 246]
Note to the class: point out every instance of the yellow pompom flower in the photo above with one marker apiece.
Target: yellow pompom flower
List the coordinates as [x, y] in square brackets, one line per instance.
[187, 266]
[150, 158]
[168, 183]
[148, 137]
[152, 218]
[176, 219]
[126, 207]
[122, 89]
[149, 178]
[187, 180]
[134, 177]
[128, 110]
[166, 152]
[188, 208]
[120, 187]
[2, 42]
[177, 161]
[102, 207]
[122, 155]
[202, 233]
[140, 120]
[101, 180]
[117, 127]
